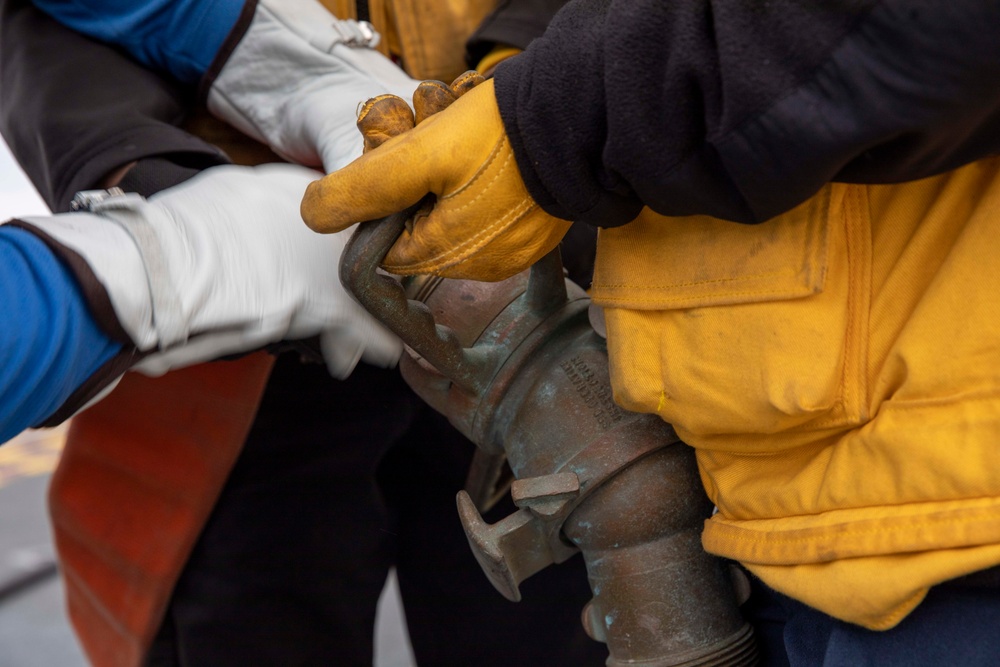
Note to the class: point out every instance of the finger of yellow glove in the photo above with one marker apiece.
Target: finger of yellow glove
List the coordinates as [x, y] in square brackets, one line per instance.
[433, 97]
[383, 117]
[466, 81]
[441, 156]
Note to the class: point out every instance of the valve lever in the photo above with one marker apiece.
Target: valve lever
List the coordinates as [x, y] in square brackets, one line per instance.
[512, 549]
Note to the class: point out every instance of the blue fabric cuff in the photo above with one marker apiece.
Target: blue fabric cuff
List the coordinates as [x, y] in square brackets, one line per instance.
[49, 343]
[180, 37]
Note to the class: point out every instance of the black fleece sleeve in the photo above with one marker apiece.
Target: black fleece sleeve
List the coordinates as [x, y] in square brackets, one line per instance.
[741, 110]
[72, 109]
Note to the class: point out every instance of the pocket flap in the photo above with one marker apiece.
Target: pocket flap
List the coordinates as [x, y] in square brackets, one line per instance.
[658, 262]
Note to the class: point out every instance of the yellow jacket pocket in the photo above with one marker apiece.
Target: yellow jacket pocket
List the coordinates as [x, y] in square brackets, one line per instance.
[737, 332]
[837, 375]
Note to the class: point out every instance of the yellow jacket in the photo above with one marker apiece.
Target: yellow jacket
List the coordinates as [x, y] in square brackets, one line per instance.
[837, 369]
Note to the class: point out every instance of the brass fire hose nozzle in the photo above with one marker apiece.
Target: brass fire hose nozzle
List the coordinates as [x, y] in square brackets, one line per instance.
[518, 369]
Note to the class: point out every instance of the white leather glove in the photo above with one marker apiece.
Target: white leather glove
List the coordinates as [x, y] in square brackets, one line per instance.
[218, 265]
[296, 79]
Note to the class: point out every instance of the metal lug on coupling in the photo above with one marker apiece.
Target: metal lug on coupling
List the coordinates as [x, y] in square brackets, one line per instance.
[548, 495]
[592, 624]
[512, 549]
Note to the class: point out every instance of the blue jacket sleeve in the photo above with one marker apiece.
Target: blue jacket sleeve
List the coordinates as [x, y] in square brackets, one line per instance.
[49, 343]
[180, 37]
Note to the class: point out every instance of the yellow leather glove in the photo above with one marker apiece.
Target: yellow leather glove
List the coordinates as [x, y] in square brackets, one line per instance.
[483, 226]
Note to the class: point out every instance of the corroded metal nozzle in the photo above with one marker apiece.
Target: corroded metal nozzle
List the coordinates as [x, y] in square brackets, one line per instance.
[517, 368]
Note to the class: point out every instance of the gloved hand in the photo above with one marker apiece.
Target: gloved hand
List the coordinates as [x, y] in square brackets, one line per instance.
[296, 78]
[484, 224]
[218, 265]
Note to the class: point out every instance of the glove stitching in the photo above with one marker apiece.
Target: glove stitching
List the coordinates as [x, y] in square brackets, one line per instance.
[475, 243]
[463, 252]
[494, 154]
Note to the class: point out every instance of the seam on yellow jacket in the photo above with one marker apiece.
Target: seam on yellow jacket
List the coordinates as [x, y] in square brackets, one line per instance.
[853, 398]
[851, 539]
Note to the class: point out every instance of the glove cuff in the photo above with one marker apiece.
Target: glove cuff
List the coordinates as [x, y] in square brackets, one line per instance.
[118, 259]
[95, 293]
[99, 302]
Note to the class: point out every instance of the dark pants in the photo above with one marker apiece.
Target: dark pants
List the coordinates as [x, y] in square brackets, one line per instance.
[957, 625]
[338, 482]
